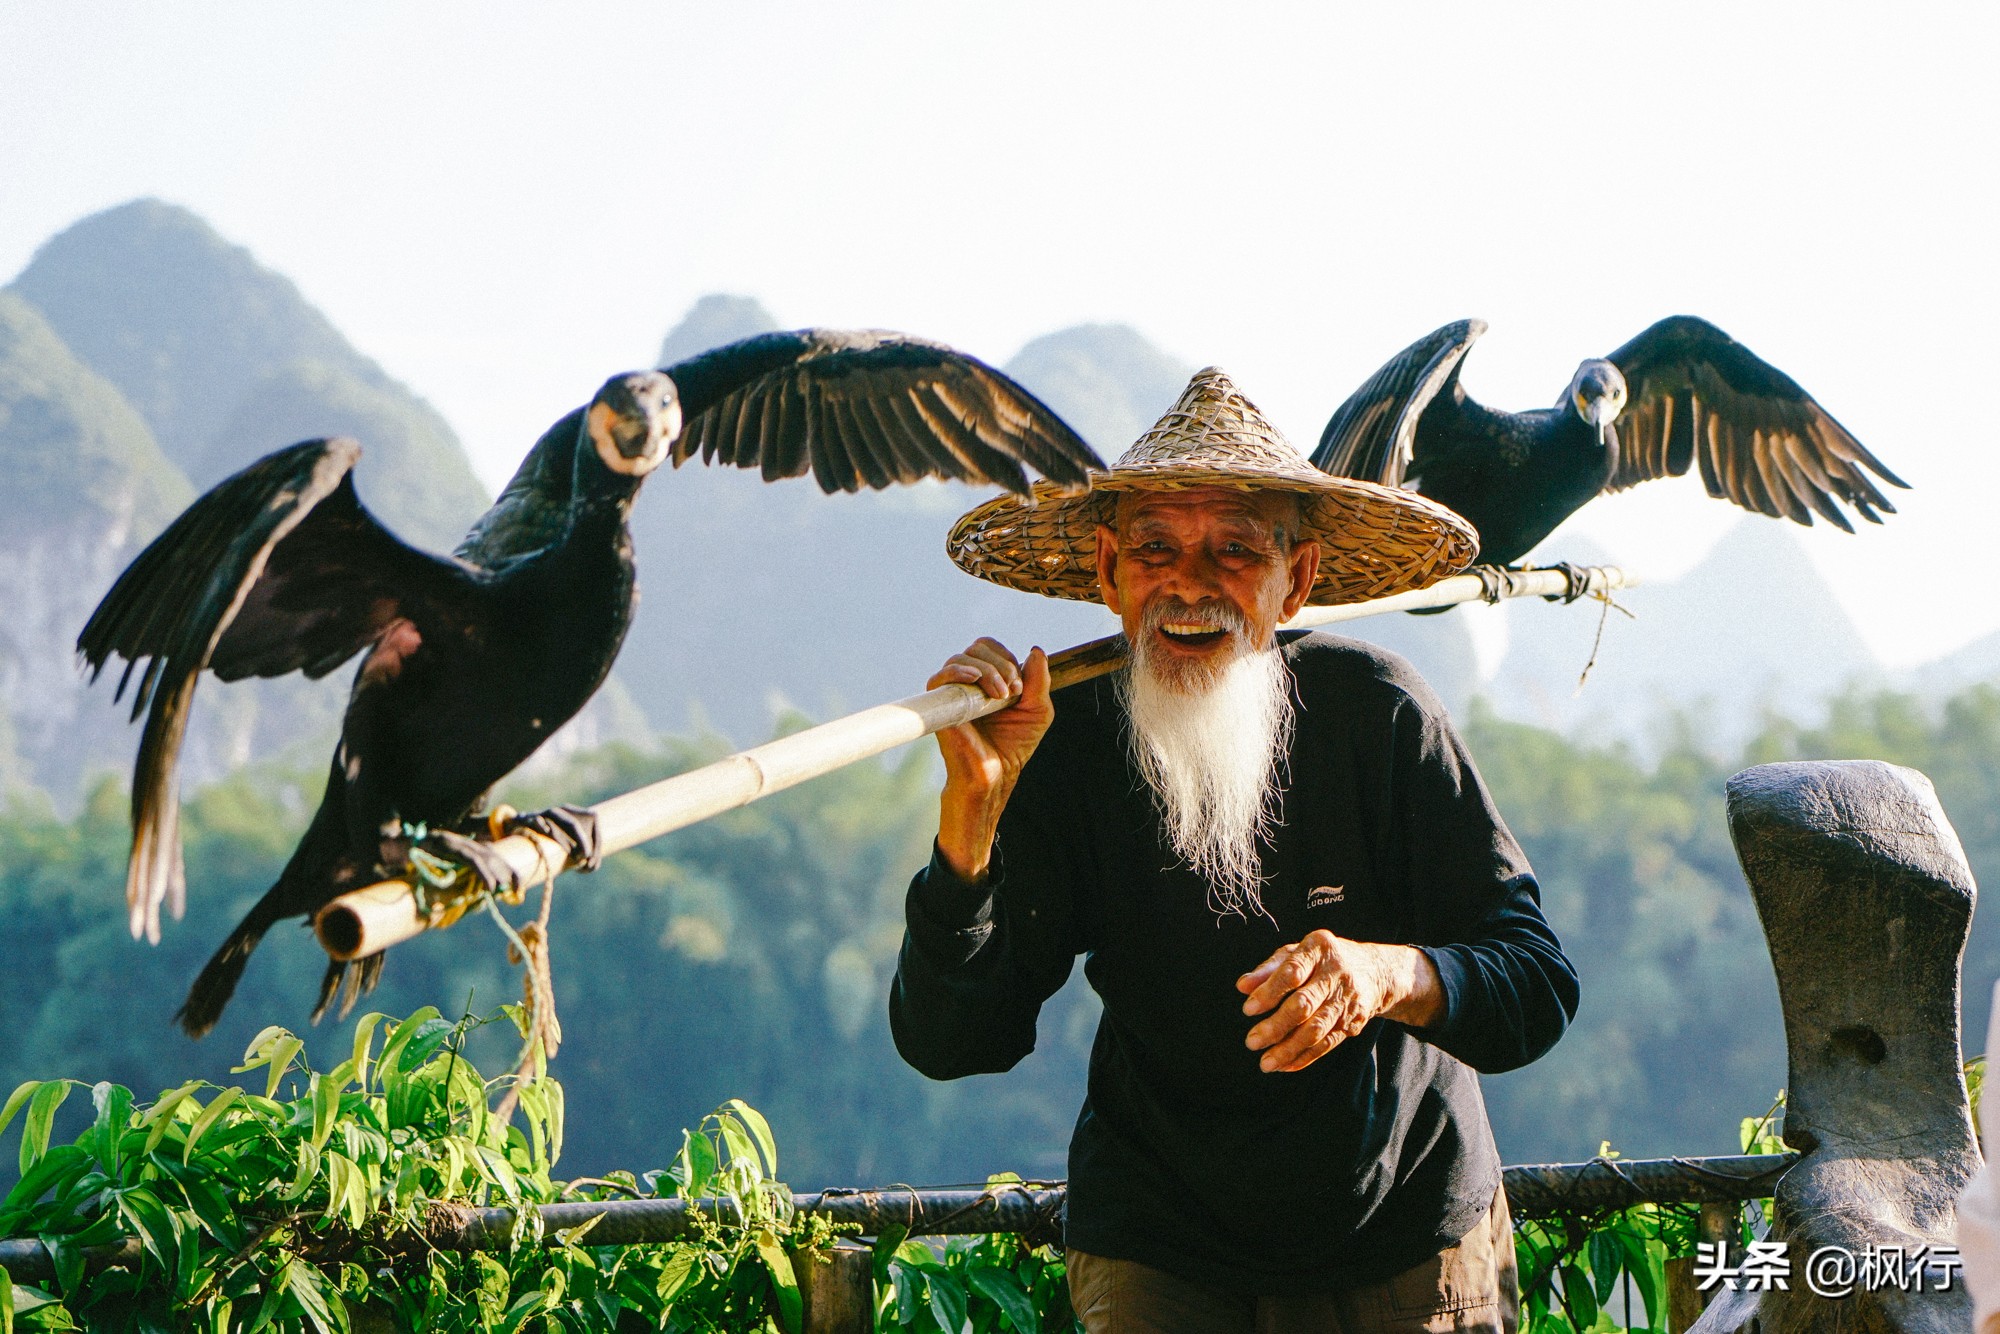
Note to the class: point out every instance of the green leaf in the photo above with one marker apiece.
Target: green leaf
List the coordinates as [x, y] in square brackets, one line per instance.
[267, 1310]
[154, 1226]
[308, 1287]
[791, 1310]
[57, 1170]
[553, 1093]
[499, 1171]
[570, 1236]
[534, 1111]
[339, 1183]
[760, 1130]
[1607, 1259]
[357, 1197]
[304, 1175]
[6, 1282]
[213, 1210]
[68, 1257]
[258, 1051]
[742, 1151]
[41, 1119]
[919, 1257]
[947, 1301]
[364, 1038]
[700, 1154]
[325, 1108]
[399, 1038]
[885, 1249]
[1648, 1269]
[677, 1275]
[1578, 1295]
[114, 1114]
[160, 1116]
[282, 1053]
[526, 1306]
[907, 1303]
[424, 1044]
[341, 1075]
[1004, 1290]
[209, 1116]
[15, 1101]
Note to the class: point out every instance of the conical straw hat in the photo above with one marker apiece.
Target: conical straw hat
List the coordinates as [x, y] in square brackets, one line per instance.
[1374, 540]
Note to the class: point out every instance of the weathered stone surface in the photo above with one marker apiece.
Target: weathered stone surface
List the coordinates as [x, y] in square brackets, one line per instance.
[1866, 898]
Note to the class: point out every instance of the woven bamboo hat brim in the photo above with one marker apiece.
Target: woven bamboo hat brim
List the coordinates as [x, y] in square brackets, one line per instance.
[1374, 540]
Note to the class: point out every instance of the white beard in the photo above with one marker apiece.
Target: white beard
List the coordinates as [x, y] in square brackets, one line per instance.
[1211, 745]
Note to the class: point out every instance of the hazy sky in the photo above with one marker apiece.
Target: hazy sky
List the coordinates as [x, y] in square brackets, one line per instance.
[506, 202]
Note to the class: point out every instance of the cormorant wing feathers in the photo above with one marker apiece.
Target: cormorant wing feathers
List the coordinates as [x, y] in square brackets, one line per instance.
[871, 409]
[1372, 436]
[278, 569]
[1696, 395]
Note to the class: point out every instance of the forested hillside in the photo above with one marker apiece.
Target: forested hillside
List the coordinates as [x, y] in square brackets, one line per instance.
[750, 956]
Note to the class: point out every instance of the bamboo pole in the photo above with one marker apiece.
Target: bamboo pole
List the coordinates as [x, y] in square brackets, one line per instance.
[367, 921]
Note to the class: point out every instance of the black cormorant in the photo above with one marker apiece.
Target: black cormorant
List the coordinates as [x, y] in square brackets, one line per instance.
[1681, 394]
[473, 660]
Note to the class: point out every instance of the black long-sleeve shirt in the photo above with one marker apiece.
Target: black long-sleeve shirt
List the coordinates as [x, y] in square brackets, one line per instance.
[1186, 1156]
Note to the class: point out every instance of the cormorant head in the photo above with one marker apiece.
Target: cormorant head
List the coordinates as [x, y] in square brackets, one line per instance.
[634, 421]
[1597, 394]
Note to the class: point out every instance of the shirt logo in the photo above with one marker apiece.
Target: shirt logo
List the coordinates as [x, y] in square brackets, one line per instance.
[1325, 894]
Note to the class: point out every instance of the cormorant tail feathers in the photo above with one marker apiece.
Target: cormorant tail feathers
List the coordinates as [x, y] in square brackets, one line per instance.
[217, 983]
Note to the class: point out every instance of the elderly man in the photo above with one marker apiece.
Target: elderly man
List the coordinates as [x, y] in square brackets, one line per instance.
[1307, 922]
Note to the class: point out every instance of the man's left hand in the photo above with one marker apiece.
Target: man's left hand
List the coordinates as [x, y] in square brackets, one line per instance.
[1322, 991]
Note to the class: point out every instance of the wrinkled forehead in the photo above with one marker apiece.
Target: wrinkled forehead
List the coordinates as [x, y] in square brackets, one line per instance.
[1204, 507]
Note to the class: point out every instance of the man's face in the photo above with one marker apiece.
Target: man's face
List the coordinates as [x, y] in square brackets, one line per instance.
[1184, 570]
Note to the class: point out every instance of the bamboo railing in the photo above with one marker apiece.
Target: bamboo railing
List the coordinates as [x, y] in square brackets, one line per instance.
[1539, 1191]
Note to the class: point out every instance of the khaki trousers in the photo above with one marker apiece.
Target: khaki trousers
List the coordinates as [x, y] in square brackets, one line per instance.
[1470, 1286]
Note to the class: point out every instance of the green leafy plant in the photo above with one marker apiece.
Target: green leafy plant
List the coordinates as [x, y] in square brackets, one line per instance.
[1570, 1268]
[980, 1284]
[309, 1212]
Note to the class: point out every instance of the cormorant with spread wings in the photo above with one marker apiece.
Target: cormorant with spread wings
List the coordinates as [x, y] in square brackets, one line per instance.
[472, 660]
[1682, 394]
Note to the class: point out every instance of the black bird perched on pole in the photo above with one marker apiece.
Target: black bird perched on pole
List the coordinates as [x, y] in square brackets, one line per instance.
[473, 660]
[1681, 394]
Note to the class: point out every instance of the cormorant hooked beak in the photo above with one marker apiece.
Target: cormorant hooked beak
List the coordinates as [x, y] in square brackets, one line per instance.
[634, 421]
[1600, 413]
[1597, 395]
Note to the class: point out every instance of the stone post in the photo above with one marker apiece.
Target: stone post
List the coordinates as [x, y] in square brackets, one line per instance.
[1866, 899]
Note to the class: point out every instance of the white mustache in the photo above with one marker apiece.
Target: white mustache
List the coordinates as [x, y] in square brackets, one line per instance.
[1207, 615]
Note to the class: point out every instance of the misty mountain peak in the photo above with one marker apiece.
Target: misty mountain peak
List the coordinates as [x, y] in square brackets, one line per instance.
[227, 361]
[714, 320]
[1108, 381]
[181, 320]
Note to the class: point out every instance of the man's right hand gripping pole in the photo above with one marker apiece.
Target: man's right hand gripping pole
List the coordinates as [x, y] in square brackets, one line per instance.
[983, 758]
